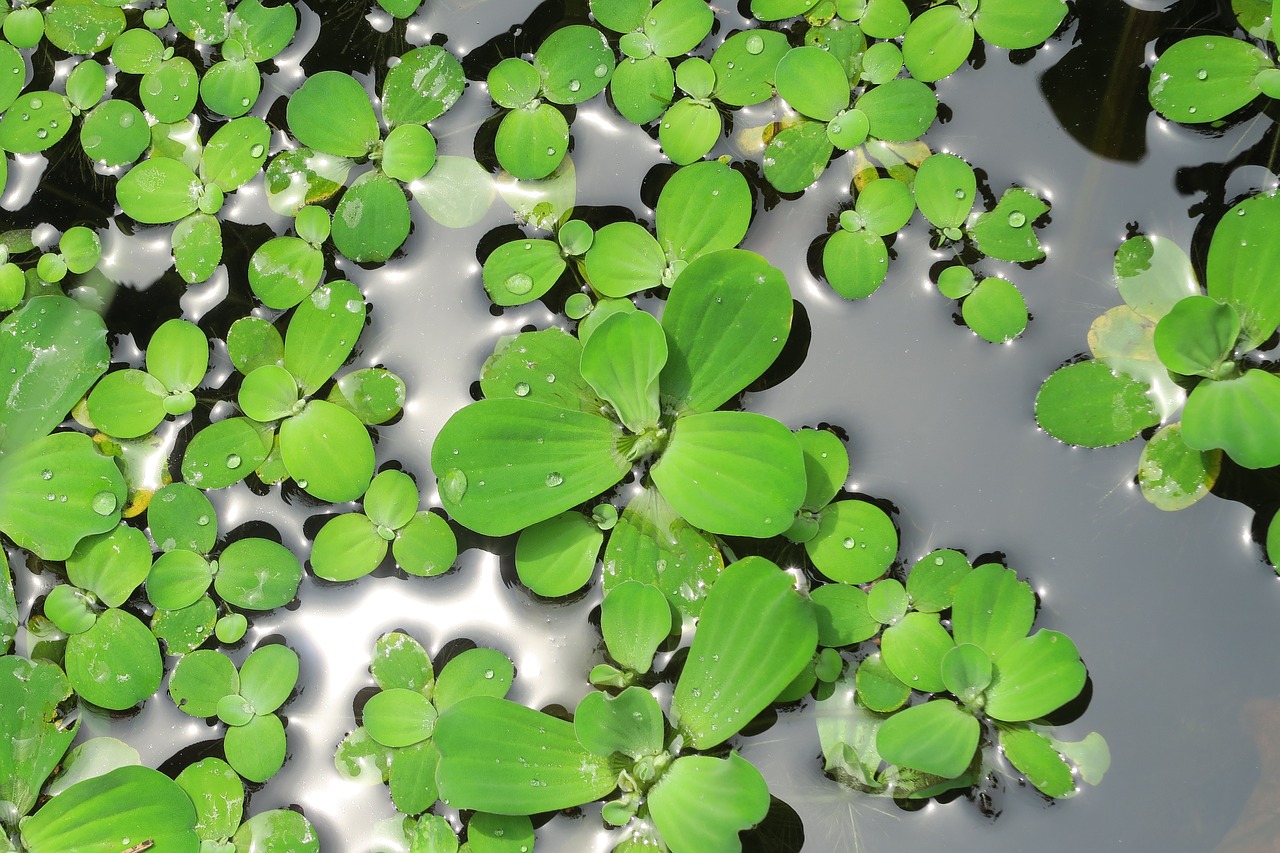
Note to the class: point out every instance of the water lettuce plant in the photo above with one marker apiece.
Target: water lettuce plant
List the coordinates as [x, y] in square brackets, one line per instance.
[1175, 346]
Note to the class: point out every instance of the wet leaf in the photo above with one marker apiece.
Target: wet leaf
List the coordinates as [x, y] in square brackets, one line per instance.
[111, 565]
[634, 620]
[1240, 415]
[856, 542]
[82, 26]
[945, 188]
[995, 310]
[1090, 405]
[574, 64]
[33, 742]
[855, 263]
[114, 133]
[900, 110]
[1171, 474]
[937, 737]
[813, 82]
[223, 453]
[701, 209]
[1035, 676]
[322, 333]
[401, 661]
[257, 574]
[231, 88]
[218, 795]
[992, 609]
[642, 89]
[115, 664]
[937, 43]
[346, 548]
[1205, 78]
[522, 271]
[257, 749]
[689, 130]
[745, 65]
[734, 671]
[159, 190]
[914, 648]
[331, 112]
[932, 582]
[475, 672]
[423, 86]
[1036, 758]
[372, 219]
[796, 157]
[1006, 232]
[1242, 259]
[170, 92]
[426, 546]
[283, 270]
[532, 141]
[200, 680]
[702, 803]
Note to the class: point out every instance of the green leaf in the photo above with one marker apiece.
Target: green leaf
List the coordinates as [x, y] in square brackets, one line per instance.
[1018, 24]
[855, 543]
[826, 466]
[137, 51]
[1036, 758]
[726, 321]
[277, 831]
[111, 565]
[475, 672]
[268, 676]
[331, 112]
[178, 355]
[200, 680]
[202, 22]
[492, 456]
[642, 89]
[69, 609]
[408, 152]
[178, 579]
[91, 758]
[796, 157]
[235, 153]
[624, 259]
[13, 72]
[159, 190]
[1171, 474]
[557, 557]
[372, 220]
[257, 749]
[855, 263]
[689, 130]
[992, 609]
[1153, 273]
[733, 473]
[283, 270]
[115, 664]
[114, 133]
[884, 206]
[635, 619]
[1229, 66]
[574, 64]
[885, 19]
[653, 544]
[127, 803]
[540, 367]
[932, 582]
[1198, 337]
[630, 723]
[843, 617]
[231, 88]
[263, 31]
[913, 649]
[945, 186]
[777, 10]
[81, 495]
[218, 795]
[82, 26]
[327, 451]
[1241, 263]
[39, 392]
[621, 16]
[426, 546]
[622, 360]
[995, 310]
[967, 671]
[1241, 416]
[937, 737]
[322, 333]
[522, 271]
[223, 453]
[813, 82]
[413, 777]
[183, 631]
[733, 670]
[169, 92]
[1006, 233]
[532, 141]
[253, 342]
[881, 63]
[457, 192]
[1091, 405]
[423, 86]
[299, 177]
[197, 247]
[500, 757]
[704, 207]
[937, 43]
[702, 803]
[127, 403]
[745, 65]
[676, 27]
[391, 499]
[513, 83]
[35, 734]
[490, 833]
[372, 394]
[900, 110]
[1035, 676]
[878, 688]
[257, 574]
[8, 606]
[400, 661]
[399, 717]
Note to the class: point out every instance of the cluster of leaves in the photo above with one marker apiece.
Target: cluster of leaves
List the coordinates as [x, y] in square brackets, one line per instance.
[1176, 349]
[565, 418]
[1204, 79]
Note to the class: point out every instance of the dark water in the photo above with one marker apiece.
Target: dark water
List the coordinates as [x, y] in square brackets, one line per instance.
[1174, 614]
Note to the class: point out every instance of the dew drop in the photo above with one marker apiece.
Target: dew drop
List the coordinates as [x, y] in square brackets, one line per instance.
[244, 102]
[522, 389]
[755, 45]
[257, 151]
[46, 474]
[960, 193]
[488, 673]
[126, 120]
[1017, 219]
[574, 85]
[453, 485]
[36, 103]
[104, 503]
[1191, 109]
[1202, 74]
[554, 479]
[233, 461]
[551, 152]
[519, 283]
[601, 70]
[551, 377]
[849, 543]
[202, 520]
[938, 561]
[41, 133]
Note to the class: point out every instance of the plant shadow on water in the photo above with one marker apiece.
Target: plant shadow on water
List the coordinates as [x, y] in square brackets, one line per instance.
[696, 561]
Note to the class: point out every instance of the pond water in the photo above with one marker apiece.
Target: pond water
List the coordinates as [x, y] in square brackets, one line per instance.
[1174, 613]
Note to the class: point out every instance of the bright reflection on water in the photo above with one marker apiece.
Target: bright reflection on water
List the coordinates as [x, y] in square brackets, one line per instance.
[1175, 615]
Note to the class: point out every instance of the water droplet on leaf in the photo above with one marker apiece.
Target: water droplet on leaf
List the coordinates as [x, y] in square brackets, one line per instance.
[104, 503]
[554, 479]
[519, 283]
[453, 485]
